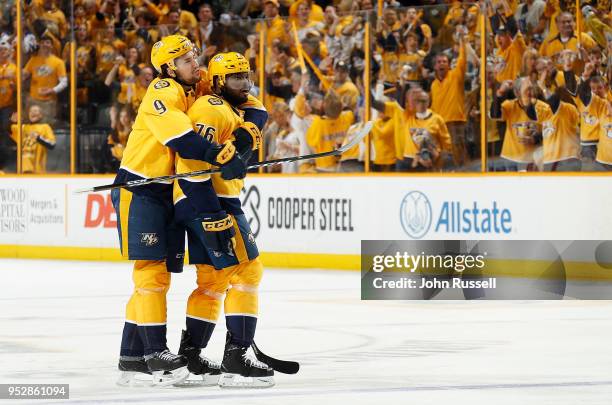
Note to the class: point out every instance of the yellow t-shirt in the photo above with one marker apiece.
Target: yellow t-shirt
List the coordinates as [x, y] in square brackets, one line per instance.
[399, 119]
[105, 58]
[44, 72]
[448, 95]
[274, 29]
[560, 134]
[604, 147]
[349, 94]
[432, 127]
[161, 118]
[414, 60]
[391, 67]
[511, 59]
[33, 154]
[132, 91]
[325, 134]
[517, 124]
[552, 46]
[590, 117]
[8, 77]
[384, 144]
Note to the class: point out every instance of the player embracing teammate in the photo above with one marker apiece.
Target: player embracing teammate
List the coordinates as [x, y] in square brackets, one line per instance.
[174, 133]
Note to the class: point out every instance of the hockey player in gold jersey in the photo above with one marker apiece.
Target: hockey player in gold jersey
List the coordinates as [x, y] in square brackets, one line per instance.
[161, 132]
[221, 244]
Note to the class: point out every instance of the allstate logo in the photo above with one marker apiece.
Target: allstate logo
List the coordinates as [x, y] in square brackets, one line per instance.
[416, 214]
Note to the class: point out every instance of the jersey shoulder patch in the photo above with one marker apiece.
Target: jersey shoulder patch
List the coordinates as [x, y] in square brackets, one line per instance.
[215, 101]
[162, 84]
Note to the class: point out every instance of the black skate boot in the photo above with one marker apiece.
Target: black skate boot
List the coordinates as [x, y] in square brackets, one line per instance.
[133, 369]
[242, 371]
[167, 368]
[205, 371]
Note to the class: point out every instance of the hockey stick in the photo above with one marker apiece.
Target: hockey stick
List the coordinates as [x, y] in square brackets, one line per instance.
[141, 182]
[282, 366]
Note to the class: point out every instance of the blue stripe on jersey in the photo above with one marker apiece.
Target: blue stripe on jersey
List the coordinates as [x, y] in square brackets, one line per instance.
[256, 116]
[192, 146]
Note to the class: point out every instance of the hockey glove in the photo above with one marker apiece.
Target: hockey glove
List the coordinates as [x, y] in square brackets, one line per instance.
[219, 233]
[248, 138]
[225, 156]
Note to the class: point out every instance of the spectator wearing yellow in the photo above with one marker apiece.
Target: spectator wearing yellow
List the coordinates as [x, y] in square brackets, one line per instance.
[117, 139]
[398, 114]
[315, 13]
[8, 84]
[529, 64]
[53, 18]
[86, 62]
[107, 49]
[142, 34]
[565, 39]
[303, 21]
[47, 74]
[327, 131]
[274, 27]
[604, 148]
[428, 143]
[560, 136]
[131, 65]
[186, 19]
[411, 60]
[448, 99]
[280, 139]
[510, 53]
[344, 87]
[36, 138]
[383, 143]
[423, 31]
[590, 95]
[131, 89]
[524, 117]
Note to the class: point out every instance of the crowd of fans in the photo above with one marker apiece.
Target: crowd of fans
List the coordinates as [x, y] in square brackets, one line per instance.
[548, 78]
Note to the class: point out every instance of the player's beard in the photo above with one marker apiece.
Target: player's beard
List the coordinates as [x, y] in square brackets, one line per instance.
[234, 97]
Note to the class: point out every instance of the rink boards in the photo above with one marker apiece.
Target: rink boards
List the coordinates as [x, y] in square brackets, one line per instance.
[319, 221]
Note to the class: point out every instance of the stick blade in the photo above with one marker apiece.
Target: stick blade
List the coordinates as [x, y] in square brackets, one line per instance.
[357, 137]
[282, 366]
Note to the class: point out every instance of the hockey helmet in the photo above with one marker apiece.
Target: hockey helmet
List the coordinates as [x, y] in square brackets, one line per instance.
[224, 64]
[169, 48]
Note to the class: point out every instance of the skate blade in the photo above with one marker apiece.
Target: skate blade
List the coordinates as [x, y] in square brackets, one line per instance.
[134, 379]
[199, 380]
[237, 381]
[168, 378]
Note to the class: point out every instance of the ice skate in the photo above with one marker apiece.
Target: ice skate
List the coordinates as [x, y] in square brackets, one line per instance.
[239, 370]
[167, 368]
[134, 372]
[203, 371]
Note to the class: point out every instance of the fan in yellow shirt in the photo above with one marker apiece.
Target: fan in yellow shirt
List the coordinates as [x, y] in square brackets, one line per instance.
[36, 139]
[428, 143]
[46, 71]
[560, 136]
[604, 149]
[328, 131]
[383, 144]
[566, 39]
[510, 53]
[448, 99]
[524, 117]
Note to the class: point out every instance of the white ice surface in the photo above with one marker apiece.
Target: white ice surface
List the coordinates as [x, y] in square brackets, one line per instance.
[60, 322]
